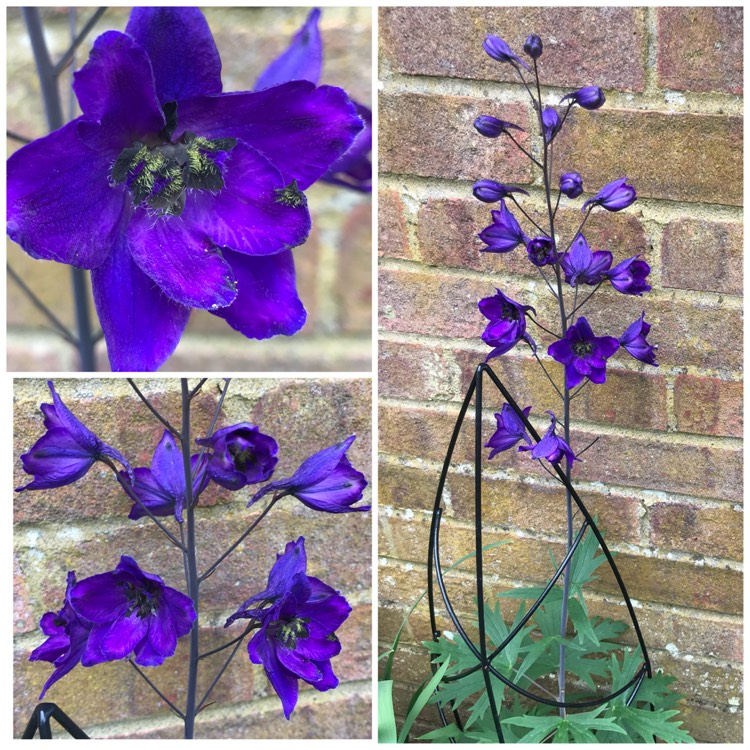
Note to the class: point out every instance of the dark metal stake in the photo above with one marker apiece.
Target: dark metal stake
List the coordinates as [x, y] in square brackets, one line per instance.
[40, 721]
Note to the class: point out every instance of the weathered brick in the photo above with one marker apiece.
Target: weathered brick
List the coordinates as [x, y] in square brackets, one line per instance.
[406, 488]
[433, 136]
[392, 238]
[700, 156]
[353, 287]
[709, 724]
[705, 471]
[702, 255]
[413, 40]
[700, 49]
[708, 405]
[712, 531]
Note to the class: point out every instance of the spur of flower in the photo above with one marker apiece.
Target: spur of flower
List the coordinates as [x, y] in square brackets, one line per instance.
[66, 451]
[325, 481]
[298, 616]
[131, 611]
[174, 194]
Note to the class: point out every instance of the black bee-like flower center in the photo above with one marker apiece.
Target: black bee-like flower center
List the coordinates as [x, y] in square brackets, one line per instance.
[509, 312]
[142, 602]
[290, 632]
[582, 348]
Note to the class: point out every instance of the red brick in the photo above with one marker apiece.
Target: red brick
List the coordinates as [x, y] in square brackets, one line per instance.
[707, 531]
[699, 156]
[433, 136]
[414, 41]
[700, 49]
[702, 255]
[353, 287]
[708, 405]
[392, 238]
[705, 471]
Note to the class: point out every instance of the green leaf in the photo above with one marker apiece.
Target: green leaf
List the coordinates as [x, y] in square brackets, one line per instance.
[540, 726]
[444, 734]
[650, 725]
[386, 715]
[417, 705]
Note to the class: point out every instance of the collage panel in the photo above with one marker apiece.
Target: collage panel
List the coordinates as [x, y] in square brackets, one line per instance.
[202, 175]
[142, 508]
[560, 475]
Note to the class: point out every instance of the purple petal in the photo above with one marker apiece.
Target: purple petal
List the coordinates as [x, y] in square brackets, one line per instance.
[129, 303]
[319, 645]
[151, 494]
[354, 168]
[267, 302]
[301, 129]
[99, 599]
[294, 662]
[115, 89]
[181, 609]
[167, 466]
[146, 655]
[572, 376]
[181, 260]
[55, 460]
[161, 632]
[182, 51]
[124, 635]
[60, 206]
[329, 613]
[82, 434]
[54, 647]
[337, 492]
[247, 215]
[301, 60]
[328, 680]
[282, 680]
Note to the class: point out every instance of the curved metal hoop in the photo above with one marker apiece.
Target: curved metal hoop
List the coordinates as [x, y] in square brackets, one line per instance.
[434, 570]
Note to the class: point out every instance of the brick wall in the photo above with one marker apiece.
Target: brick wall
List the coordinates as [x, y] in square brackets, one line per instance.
[665, 477]
[334, 268]
[84, 527]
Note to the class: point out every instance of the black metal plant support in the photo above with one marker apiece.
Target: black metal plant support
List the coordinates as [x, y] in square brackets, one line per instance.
[484, 659]
[40, 722]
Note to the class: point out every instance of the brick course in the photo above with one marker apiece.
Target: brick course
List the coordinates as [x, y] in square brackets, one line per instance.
[665, 477]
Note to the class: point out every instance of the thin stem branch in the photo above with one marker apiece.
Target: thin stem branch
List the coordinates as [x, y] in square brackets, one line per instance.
[152, 409]
[156, 690]
[579, 389]
[518, 205]
[17, 137]
[550, 472]
[546, 281]
[57, 324]
[510, 135]
[578, 307]
[197, 388]
[539, 325]
[67, 57]
[229, 643]
[240, 540]
[554, 385]
[217, 412]
[595, 440]
[580, 228]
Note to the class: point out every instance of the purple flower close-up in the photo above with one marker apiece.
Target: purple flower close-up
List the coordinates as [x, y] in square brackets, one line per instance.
[507, 324]
[551, 447]
[241, 455]
[67, 635]
[571, 184]
[614, 196]
[541, 251]
[66, 451]
[490, 191]
[589, 97]
[633, 340]
[582, 266]
[325, 481]
[551, 123]
[162, 487]
[629, 276]
[510, 429]
[504, 234]
[131, 611]
[498, 50]
[492, 127]
[176, 195]
[583, 354]
[298, 616]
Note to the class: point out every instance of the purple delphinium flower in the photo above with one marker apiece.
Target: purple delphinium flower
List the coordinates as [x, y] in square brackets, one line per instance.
[325, 481]
[162, 487]
[67, 637]
[490, 191]
[571, 184]
[241, 455]
[629, 276]
[492, 127]
[541, 251]
[614, 196]
[589, 97]
[551, 123]
[634, 341]
[132, 612]
[583, 354]
[551, 447]
[498, 50]
[510, 429]
[533, 46]
[504, 234]
[66, 451]
[581, 266]
[175, 195]
[303, 61]
[507, 324]
[298, 616]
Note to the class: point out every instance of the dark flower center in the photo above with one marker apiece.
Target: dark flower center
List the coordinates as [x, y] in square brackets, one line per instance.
[582, 348]
[289, 632]
[509, 312]
[242, 455]
[159, 175]
[142, 602]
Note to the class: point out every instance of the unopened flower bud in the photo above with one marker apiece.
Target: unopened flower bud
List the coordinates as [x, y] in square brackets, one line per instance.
[571, 184]
[533, 47]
